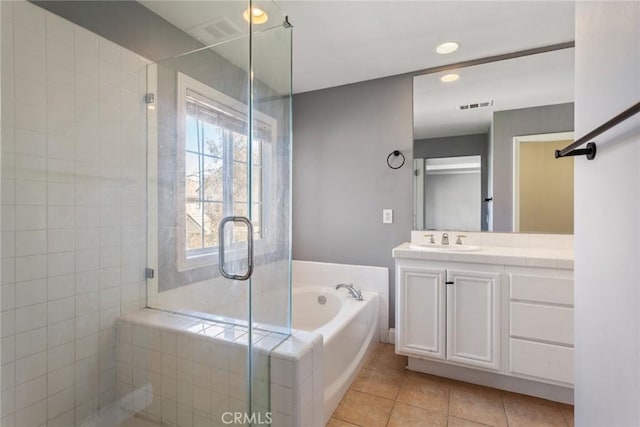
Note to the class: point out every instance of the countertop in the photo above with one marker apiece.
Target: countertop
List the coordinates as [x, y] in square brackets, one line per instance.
[499, 255]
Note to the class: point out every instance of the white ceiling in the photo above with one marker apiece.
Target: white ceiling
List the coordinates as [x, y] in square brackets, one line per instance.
[529, 81]
[341, 42]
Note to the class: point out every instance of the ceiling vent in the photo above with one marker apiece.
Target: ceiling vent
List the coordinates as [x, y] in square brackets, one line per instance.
[476, 105]
[215, 31]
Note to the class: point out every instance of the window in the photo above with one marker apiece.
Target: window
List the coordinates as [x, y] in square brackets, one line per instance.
[213, 140]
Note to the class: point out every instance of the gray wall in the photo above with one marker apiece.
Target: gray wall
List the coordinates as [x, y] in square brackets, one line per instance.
[341, 182]
[506, 125]
[454, 146]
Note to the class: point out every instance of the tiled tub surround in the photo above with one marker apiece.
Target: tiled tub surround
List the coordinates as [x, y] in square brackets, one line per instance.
[365, 278]
[73, 214]
[191, 371]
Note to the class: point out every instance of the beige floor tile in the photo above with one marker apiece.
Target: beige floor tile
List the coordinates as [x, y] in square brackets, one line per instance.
[567, 411]
[387, 362]
[364, 409]
[339, 423]
[426, 392]
[458, 422]
[524, 411]
[477, 404]
[404, 415]
[378, 383]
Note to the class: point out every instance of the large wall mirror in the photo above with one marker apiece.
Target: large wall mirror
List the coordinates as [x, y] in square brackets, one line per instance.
[484, 142]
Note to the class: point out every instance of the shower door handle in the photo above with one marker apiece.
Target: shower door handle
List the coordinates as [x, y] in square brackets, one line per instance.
[249, 271]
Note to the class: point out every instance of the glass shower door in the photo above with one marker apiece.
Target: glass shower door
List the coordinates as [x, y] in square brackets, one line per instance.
[270, 192]
[219, 201]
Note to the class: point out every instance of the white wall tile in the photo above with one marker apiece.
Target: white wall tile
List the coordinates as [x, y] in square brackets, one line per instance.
[30, 217]
[59, 30]
[34, 415]
[30, 293]
[31, 317]
[31, 392]
[29, 16]
[59, 309]
[31, 367]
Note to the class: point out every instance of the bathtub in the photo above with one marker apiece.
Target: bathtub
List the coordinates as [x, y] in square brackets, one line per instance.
[349, 329]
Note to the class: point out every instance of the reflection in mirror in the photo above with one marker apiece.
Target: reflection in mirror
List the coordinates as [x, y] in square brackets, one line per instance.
[508, 116]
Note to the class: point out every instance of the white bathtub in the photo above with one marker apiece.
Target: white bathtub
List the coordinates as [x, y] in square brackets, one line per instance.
[349, 329]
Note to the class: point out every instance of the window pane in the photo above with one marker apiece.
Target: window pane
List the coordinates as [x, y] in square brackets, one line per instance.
[239, 182]
[213, 179]
[240, 230]
[239, 147]
[212, 218]
[193, 226]
[213, 139]
[256, 220]
[256, 184]
[240, 209]
[256, 151]
[192, 177]
[191, 136]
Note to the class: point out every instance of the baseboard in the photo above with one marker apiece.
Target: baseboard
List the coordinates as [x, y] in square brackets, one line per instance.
[392, 336]
[495, 380]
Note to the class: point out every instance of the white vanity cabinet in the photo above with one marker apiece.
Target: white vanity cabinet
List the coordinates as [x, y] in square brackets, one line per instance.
[500, 325]
[449, 312]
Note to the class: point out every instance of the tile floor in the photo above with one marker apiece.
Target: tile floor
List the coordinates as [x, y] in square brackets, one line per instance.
[386, 394]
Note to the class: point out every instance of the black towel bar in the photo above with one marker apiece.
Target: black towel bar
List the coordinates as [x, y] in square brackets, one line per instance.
[590, 150]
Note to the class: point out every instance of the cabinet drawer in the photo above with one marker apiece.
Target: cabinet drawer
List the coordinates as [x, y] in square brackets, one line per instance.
[547, 361]
[542, 322]
[553, 290]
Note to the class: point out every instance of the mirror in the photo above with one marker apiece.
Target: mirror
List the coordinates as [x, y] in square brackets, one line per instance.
[483, 149]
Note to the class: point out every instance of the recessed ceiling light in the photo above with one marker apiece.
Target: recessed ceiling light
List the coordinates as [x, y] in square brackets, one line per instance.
[259, 16]
[448, 78]
[447, 47]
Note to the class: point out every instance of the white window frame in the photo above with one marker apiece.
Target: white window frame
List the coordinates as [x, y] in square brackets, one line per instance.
[210, 258]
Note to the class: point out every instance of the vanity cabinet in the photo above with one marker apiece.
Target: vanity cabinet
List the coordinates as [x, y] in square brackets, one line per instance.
[449, 314]
[507, 320]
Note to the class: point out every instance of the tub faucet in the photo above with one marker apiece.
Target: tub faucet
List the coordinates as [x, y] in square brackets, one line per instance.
[445, 239]
[353, 291]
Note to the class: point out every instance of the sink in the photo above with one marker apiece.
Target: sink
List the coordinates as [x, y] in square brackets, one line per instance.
[444, 248]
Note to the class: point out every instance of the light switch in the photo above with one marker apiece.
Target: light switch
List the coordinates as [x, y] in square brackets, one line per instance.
[387, 216]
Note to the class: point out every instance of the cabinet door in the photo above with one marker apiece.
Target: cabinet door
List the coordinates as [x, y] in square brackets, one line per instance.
[473, 318]
[420, 312]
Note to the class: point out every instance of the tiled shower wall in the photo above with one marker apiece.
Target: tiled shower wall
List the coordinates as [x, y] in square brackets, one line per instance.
[73, 214]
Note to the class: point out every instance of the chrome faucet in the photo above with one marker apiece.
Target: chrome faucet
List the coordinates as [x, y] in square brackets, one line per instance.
[353, 291]
[445, 239]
